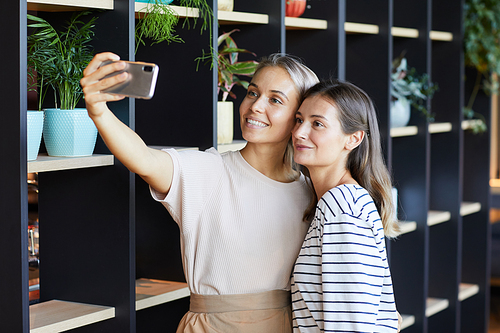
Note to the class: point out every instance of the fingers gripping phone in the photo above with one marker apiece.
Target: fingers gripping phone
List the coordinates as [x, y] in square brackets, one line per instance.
[140, 82]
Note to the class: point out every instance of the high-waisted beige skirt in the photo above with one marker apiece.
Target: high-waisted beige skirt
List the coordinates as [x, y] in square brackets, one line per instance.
[268, 311]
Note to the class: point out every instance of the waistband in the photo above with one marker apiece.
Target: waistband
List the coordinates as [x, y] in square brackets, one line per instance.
[273, 299]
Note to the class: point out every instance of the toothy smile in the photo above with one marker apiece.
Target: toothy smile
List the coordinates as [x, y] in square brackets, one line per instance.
[256, 123]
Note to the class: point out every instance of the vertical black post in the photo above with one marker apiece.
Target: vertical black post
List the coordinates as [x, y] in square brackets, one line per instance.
[14, 307]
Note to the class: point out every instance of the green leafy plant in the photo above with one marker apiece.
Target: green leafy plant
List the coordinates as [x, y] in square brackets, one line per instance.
[228, 66]
[59, 57]
[407, 83]
[158, 21]
[482, 52]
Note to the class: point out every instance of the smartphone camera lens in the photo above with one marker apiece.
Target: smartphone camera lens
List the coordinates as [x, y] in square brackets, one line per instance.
[147, 68]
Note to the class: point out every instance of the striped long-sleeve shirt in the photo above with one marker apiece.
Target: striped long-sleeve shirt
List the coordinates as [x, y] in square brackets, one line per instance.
[341, 281]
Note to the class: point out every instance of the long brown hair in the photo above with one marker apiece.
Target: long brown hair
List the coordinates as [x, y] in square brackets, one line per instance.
[303, 78]
[365, 163]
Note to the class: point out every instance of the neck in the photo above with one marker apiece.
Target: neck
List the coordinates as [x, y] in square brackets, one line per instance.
[326, 178]
[267, 159]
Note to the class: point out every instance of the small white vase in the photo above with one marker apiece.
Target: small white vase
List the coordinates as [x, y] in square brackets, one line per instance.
[224, 122]
[225, 5]
[400, 112]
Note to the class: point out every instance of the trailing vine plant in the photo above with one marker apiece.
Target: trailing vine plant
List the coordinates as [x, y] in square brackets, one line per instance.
[158, 21]
[482, 52]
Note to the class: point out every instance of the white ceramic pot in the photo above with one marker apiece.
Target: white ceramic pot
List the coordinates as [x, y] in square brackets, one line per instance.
[225, 5]
[400, 112]
[224, 122]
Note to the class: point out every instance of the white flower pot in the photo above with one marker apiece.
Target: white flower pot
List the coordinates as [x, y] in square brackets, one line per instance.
[224, 122]
[400, 112]
[225, 5]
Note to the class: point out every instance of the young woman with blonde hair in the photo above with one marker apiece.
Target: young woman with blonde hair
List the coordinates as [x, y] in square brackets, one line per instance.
[239, 213]
[341, 281]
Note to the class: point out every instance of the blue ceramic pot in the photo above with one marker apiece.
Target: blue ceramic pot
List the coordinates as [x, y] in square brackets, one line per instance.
[69, 133]
[35, 127]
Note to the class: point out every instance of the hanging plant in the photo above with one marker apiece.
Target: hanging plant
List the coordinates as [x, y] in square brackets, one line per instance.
[482, 52]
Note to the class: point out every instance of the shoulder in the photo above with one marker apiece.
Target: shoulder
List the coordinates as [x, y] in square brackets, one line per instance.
[347, 199]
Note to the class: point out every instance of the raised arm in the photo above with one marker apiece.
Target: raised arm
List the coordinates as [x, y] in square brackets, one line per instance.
[154, 166]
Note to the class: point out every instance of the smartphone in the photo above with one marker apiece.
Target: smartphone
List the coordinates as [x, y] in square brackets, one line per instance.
[141, 81]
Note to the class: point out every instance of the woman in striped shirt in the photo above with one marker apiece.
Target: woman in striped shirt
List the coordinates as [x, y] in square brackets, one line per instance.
[341, 280]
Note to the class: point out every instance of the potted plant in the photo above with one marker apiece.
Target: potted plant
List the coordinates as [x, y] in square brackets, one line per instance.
[34, 117]
[482, 52]
[295, 8]
[229, 69]
[157, 20]
[60, 58]
[408, 89]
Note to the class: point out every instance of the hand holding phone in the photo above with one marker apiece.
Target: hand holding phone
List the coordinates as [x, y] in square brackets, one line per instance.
[141, 80]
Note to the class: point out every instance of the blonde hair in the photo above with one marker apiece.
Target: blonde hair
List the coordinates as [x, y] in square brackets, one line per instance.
[303, 78]
[365, 163]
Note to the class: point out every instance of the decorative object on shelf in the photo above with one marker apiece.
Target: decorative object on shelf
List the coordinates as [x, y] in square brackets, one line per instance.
[157, 22]
[295, 8]
[225, 5]
[34, 130]
[60, 58]
[482, 52]
[408, 89]
[228, 70]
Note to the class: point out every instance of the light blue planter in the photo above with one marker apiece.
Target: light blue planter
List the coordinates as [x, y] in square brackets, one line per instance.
[69, 133]
[35, 127]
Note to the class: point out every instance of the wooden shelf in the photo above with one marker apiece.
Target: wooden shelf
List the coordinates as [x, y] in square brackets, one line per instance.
[59, 316]
[236, 145]
[440, 127]
[435, 305]
[404, 131]
[150, 292]
[45, 163]
[242, 18]
[435, 217]
[407, 226]
[467, 290]
[441, 36]
[468, 124]
[467, 208]
[299, 23]
[361, 28]
[68, 5]
[408, 320]
[182, 12]
[404, 32]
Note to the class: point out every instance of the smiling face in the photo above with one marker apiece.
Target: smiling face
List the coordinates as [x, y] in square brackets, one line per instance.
[318, 138]
[267, 114]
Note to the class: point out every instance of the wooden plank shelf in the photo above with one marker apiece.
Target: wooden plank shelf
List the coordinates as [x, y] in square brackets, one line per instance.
[404, 131]
[235, 145]
[468, 124]
[442, 36]
[467, 290]
[435, 217]
[435, 305]
[60, 316]
[407, 226]
[404, 32]
[361, 28]
[440, 127]
[182, 12]
[467, 208]
[68, 5]
[299, 23]
[149, 292]
[45, 163]
[408, 320]
[242, 18]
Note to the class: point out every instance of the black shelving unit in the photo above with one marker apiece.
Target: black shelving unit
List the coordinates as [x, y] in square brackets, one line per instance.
[108, 248]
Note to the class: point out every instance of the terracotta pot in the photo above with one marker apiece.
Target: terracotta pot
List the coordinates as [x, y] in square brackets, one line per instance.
[295, 8]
